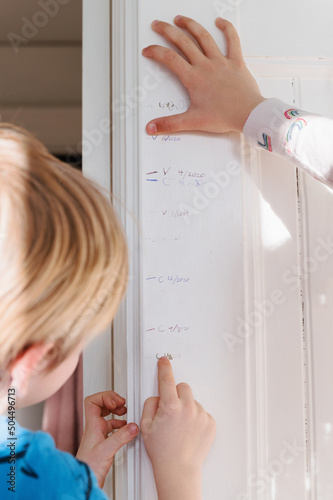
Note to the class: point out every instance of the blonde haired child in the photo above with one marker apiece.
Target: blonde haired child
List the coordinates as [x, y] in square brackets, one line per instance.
[63, 273]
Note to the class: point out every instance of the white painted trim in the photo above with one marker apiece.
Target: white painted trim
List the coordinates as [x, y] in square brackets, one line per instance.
[250, 264]
[126, 189]
[255, 291]
[97, 372]
[274, 67]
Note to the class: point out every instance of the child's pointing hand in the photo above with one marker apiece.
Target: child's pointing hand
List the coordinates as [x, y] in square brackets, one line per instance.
[178, 434]
[222, 90]
[97, 448]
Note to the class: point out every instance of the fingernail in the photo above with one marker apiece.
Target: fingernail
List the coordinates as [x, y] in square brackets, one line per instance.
[178, 18]
[155, 22]
[113, 402]
[132, 428]
[152, 129]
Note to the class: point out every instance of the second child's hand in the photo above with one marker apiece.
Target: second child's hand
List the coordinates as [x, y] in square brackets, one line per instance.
[221, 88]
[99, 443]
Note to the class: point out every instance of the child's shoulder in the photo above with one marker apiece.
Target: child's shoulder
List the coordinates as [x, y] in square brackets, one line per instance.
[40, 467]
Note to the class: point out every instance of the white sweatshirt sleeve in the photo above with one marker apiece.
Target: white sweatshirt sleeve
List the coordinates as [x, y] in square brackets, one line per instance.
[304, 138]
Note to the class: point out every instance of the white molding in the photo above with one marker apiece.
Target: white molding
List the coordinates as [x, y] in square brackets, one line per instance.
[253, 289]
[97, 371]
[275, 67]
[258, 279]
[126, 189]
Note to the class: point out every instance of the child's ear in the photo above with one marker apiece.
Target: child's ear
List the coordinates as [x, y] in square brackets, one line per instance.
[28, 364]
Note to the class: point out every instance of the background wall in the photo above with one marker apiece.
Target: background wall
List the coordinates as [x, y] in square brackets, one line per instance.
[41, 70]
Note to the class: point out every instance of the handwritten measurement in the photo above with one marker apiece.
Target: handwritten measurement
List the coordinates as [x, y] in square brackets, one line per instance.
[168, 182]
[182, 173]
[164, 138]
[169, 279]
[167, 355]
[176, 213]
[171, 238]
[171, 176]
[181, 105]
[169, 329]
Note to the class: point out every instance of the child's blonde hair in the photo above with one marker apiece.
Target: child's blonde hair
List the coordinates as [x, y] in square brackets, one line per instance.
[63, 256]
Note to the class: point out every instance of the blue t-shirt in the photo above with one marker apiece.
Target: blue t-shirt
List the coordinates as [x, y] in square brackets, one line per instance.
[31, 467]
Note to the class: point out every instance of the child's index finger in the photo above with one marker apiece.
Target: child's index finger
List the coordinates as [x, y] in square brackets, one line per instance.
[166, 382]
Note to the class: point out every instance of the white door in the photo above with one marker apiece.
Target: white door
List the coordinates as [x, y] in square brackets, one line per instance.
[230, 255]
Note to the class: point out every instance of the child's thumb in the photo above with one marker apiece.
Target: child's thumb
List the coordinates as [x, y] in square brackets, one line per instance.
[123, 436]
[168, 124]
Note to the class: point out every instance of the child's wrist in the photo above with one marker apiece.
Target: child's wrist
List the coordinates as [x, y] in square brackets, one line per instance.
[178, 482]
